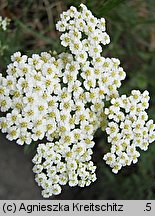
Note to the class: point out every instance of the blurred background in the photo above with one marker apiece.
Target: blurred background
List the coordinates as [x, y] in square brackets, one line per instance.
[131, 26]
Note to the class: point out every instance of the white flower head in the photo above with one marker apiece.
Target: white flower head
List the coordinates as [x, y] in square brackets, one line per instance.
[62, 100]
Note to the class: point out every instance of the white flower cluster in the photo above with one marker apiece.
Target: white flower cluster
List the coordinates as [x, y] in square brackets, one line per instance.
[82, 32]
[46, 97]
[61, 100]
[4, 23]
[128, 129]
[57, 165]
[85, 35]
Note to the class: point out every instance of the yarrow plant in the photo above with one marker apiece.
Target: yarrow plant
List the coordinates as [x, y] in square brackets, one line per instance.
[128, 129]
[60, 100]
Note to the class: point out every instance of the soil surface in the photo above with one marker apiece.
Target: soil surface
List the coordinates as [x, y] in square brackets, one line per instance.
[16, 176]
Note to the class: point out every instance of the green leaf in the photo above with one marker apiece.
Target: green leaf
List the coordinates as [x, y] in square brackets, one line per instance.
[32, 31]
[109, 5]
[29, 148]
